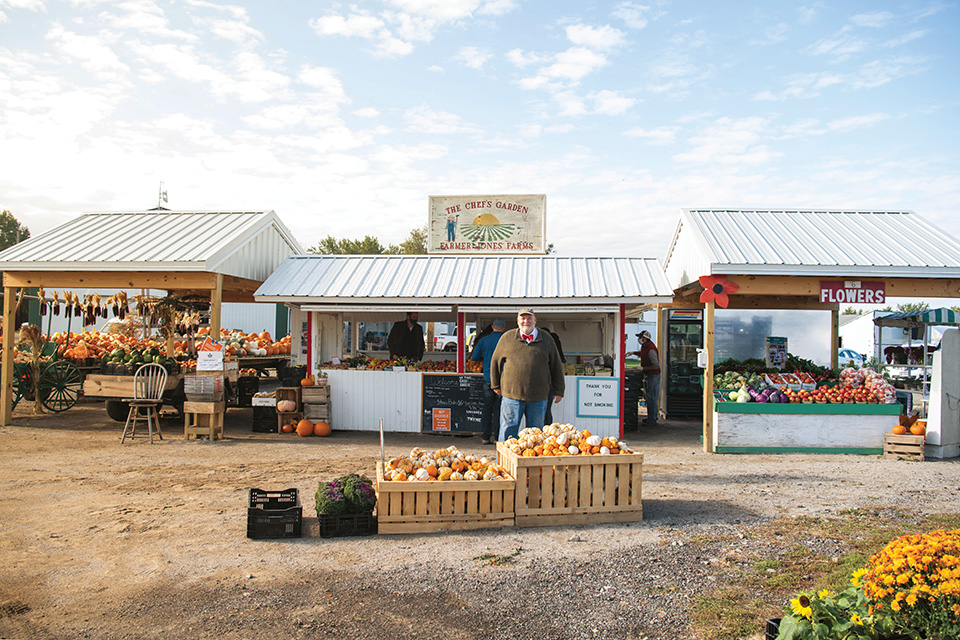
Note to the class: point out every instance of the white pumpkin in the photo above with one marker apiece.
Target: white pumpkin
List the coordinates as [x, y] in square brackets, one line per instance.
[287, 406]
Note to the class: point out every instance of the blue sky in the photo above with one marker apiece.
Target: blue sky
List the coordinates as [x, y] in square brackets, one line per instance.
[345, 117]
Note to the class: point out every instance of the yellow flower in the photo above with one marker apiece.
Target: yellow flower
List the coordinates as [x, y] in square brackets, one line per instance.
[855, 578]
[801, 606]
[911, 599]
[895, 605]
[855, 619]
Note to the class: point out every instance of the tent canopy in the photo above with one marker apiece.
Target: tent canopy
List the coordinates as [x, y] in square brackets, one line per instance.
[918, 319]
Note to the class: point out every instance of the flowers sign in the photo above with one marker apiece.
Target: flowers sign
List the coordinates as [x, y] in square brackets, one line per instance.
[717, 289]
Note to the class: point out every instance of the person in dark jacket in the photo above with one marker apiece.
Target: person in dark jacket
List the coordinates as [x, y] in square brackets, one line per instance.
[523, 365]
[406, 338]
[650, 363]
[483, 352]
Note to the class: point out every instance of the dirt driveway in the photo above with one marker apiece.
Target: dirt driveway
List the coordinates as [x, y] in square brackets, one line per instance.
[103, 540]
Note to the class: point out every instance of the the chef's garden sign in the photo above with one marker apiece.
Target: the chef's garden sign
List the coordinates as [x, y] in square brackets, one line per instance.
[507, 224]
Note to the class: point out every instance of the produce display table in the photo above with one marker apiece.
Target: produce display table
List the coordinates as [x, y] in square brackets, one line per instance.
[802, 428]
[203, 419]
[429, 507]
[581, 489]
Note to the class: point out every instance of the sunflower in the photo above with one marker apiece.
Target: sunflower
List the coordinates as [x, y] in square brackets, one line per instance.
[801, 606]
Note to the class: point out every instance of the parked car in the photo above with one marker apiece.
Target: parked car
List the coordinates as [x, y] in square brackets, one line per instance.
[850, 358]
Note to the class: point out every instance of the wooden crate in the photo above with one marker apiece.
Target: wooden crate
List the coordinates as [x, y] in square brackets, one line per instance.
[203, 419]
[427, 507]
[316, 412]
[561, 490]
[315, 395]
[286, 418]
[288, 393]
[905, 447]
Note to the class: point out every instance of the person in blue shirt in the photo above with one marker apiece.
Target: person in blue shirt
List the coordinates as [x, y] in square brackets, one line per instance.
[483, 352]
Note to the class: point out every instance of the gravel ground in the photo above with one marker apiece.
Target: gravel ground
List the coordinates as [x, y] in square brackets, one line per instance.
[103, 540]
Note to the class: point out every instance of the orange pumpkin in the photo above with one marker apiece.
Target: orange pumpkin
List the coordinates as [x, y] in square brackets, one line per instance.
[321, 429]
[306, 382]
[287, 428]
[919, 429]
[304, 428]
[899, 430]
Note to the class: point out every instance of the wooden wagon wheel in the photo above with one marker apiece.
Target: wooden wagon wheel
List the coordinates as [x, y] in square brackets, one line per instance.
[60, 385]
[22, 383]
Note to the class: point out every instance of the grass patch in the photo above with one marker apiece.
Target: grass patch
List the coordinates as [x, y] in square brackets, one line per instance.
[494, 559]
[778, 567]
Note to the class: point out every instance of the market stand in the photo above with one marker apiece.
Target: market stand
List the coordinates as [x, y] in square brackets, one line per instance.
[214, 256]
[804, 260]
[585, 300]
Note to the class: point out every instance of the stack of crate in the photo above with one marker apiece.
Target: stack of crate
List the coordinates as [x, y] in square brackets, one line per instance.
[286, 417]
[316, 401]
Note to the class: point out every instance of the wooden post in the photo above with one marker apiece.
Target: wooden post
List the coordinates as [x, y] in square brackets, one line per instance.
[6, 371]
[461, 340]
[622, 363]
[216, 299]
[835, 337]
[708, 334]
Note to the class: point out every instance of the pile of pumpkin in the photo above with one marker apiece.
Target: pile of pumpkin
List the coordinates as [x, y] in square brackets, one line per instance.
[442, 465]
[304, 428]
[563, 440]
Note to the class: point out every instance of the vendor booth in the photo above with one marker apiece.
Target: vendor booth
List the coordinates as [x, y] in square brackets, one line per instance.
[210, 256]
[583, 300]
[804, 260]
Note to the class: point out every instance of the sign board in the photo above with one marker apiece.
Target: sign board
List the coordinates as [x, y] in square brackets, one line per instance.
[852, 292]
[209, 360]
[776, 351]
[598, 397]
[498, 225]
[451, 403]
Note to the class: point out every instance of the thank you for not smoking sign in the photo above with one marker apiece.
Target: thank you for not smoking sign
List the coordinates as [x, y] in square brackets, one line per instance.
[598, 397]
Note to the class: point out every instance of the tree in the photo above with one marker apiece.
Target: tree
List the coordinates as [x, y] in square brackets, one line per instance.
[414, 244]
[850, 311]
[11, 231]
[912, 307]
[331, 246]
[550, 249]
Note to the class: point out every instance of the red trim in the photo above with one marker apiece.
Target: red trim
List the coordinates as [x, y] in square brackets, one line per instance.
[461, 342]
[623, 360]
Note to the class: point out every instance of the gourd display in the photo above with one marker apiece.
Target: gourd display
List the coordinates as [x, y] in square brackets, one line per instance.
[563, 440]
[443, 465]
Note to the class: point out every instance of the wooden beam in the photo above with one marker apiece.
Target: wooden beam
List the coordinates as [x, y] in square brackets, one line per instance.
[810, 286]
[708, 341]
[216, 299]
[6, 369]
[121, 280]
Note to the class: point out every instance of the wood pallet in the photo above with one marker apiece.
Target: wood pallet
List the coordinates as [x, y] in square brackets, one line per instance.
[428, 507]
[561, 490]
[203, 419]
[903, 447]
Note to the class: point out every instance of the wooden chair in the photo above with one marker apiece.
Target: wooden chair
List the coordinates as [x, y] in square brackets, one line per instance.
[148, 384]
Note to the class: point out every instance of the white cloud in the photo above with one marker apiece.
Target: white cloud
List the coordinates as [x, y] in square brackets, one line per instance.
[603, 38]
[842, 46]
[857, 122]
[93, 53]
[473, 57]
[634, 15]
[144, 17]
[659, 136]
[611, 103]
[423, 119]
[361, 25]
[907, 37]
[880, 72]
[325, 78]
[521, 59]
[809, 85]
[366, 112]
[806, 14]
[774, 34]
[728, 144]
[874, 19]
[574, 64]
[29, 5]
[803, 128]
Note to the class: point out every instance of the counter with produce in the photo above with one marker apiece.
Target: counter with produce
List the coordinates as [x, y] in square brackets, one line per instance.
[842, 412]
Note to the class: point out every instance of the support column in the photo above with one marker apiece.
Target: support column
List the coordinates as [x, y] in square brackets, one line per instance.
[708, 334]
[6, 370]
[216, 299]
[622, 362]
[835, 337]
[461, 341]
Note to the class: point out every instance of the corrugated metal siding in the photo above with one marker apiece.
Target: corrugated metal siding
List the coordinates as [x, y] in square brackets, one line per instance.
[320, 278]
[882, 243]
[185, 240]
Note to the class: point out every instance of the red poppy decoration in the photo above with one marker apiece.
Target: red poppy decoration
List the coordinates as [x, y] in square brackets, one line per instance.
[717, 289]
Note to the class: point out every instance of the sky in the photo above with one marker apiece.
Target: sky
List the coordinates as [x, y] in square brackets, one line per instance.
[345, 117]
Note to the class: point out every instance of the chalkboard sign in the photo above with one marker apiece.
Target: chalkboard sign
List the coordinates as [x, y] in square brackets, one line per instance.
[452, 403]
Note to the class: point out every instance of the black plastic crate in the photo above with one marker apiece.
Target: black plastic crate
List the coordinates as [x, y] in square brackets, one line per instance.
[771, 628]
[347, 524]
[265, 419]
[247, 386]
[274, 514]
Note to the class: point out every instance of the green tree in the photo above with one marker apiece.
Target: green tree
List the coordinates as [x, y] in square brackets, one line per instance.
[850, 311]
[912, 307]
[332, 246]
[415, 243]
[11, 231]
[550, 249]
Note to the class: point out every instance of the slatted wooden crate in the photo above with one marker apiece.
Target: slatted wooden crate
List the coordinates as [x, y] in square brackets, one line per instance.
[427, 507]
[315, 395]
[561, 490]
[904, 447]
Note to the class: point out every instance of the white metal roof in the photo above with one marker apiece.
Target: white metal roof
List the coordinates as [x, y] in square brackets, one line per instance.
[247, 244]
[809, 242]
[475, 280]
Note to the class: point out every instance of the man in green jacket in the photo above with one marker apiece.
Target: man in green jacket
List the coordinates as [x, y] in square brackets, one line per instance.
[524, 364]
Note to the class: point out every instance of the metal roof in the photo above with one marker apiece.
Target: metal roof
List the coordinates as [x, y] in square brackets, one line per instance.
[248, 244]
[809, 242]
[311, 279]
